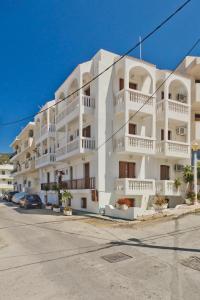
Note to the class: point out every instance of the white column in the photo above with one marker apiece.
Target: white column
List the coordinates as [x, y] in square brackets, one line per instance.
[195, 177]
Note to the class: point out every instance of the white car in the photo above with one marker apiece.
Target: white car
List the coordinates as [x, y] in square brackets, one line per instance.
[17, 197]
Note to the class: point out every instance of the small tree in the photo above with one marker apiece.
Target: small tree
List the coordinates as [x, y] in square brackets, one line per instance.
[188, 176]
[177, 183]
[66, 196]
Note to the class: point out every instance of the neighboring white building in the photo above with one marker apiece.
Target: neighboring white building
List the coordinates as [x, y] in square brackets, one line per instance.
[77, 137]
[191, 67]
[6, 178]
[25, 174]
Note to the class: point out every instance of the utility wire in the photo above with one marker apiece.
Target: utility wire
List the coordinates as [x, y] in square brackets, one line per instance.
[106, 69]
[150, 97]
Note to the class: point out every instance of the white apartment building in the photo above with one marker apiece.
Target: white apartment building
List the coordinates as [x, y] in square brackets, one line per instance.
[25, 174]
[107, 142]
[191, 67]
[6, 178]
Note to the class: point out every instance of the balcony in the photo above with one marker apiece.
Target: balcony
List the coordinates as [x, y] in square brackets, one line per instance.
[75, 184]
[45, 132]
[6, 176]
[135, 144]
[77, 146]
[27, 144]
[176, 110]
[167, 188]
[6, 186]
[44, 160]
[27, 166]
[133, 100]
[131, 187]
[173, 149]
[79, 184]
[73, 106]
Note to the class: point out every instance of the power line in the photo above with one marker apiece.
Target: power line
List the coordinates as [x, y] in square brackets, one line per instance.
[106, 69]
[150, 97]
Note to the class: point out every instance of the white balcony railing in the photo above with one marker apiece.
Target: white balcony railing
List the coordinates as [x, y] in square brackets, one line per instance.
[176, 109]
[80, 145]
[134, 100]
[130, 186]
[167, 188]
[72, 104]
[173, 148]
[45, 159]
[137, 144]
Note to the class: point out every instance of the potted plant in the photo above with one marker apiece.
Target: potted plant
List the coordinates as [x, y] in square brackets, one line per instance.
[122, 204]
[48, 205]
[56, 208]
[66, 198]
[190, 198]
[177, 183]
[160, 203]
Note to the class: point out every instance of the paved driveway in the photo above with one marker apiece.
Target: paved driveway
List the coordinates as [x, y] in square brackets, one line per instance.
[45, 256]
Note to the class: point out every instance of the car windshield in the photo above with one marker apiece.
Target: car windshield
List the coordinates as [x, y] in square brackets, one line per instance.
[19, 195]
[33, 198]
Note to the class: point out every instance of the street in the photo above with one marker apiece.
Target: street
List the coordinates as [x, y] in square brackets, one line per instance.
[49, 256]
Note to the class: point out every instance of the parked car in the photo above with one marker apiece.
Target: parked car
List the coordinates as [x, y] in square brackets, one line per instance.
[8, 196]
[30, 201]
[16, 198]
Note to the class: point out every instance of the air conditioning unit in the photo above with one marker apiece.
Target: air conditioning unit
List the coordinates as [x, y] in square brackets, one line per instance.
[178, 168]
[180, 130]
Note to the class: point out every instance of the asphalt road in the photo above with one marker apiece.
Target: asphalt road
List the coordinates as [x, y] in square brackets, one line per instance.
[45, 256]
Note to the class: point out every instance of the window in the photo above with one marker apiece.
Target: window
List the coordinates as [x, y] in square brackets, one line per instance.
[132, 86]
[126, 169]
[87, 91]
[87, 131]
[170, 96]
[83, 202]
[164, 172]
[169, 135]
[132, 128]
[162, 135]
[197, 81]
[29, 184]
[71, 138]
[121, 84]
[197, 117]
[162, 95]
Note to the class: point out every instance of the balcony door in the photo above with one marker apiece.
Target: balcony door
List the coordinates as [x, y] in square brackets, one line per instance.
[87, 175]
[164, 172]
[126, 169]
[87, 131]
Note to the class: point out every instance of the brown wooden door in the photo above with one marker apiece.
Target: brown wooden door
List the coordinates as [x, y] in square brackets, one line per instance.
[126, 169]
[121, 84]
[164, 172]
[132, 128]
[132, 86]
[87, 132]
[87, 91]
[87, 175]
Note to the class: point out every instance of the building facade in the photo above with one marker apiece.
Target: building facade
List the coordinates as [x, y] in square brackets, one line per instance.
[110, 140]
[6, 178]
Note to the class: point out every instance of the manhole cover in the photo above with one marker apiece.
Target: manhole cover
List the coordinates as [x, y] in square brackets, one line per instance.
[116, 257]
[192, 262]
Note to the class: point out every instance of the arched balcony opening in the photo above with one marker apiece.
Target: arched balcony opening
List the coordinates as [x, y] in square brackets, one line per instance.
[30, 133]
[86, 77]
[178, 91]
[140, 80]
[60, 103]
[44, 119]
[71, 90]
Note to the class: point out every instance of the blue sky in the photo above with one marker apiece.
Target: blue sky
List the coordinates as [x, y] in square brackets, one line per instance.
[42, 42]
